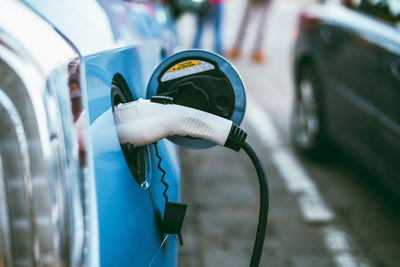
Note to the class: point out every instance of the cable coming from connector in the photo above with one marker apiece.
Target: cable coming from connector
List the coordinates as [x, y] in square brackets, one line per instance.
[163, 172]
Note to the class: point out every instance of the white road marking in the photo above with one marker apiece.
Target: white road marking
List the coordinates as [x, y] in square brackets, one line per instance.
[262, 124]
[338, 243]
[312, 205]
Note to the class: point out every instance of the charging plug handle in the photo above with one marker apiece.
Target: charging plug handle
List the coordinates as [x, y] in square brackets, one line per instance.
[143, 122]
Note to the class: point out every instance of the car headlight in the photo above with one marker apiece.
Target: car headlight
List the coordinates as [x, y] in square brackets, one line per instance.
[42, 153]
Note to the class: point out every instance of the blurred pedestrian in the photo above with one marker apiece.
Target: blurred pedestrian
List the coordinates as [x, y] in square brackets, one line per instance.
[257, 55]
[213, 14]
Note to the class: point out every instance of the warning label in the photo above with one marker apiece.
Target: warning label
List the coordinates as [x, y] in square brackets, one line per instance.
[184, 65]
[186, 68]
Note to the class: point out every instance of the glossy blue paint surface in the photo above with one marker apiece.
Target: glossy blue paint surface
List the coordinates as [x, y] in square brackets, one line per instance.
[129, 39]
[129, 216]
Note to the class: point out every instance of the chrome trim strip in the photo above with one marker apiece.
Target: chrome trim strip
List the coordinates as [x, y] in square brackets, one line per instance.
[5, 250]
[25, 221]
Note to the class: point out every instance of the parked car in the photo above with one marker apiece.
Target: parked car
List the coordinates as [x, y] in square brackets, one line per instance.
[67, 196]
[347, 76]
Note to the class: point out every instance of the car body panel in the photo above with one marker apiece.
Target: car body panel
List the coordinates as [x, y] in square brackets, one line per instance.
[127, 213]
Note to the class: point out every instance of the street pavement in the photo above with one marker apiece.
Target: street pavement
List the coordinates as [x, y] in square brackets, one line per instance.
[326, 213]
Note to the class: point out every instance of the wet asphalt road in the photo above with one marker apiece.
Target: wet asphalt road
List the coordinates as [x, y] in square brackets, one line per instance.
[330, 213]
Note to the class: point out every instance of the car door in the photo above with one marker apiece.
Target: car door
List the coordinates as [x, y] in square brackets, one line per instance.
[353, 80]
[388, 134]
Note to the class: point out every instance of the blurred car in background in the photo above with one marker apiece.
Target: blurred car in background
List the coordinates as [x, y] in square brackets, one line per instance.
[347, 83]
[70, 195]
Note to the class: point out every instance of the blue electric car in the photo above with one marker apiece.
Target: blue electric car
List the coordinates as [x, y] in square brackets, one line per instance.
[88, 91]
[70, 195]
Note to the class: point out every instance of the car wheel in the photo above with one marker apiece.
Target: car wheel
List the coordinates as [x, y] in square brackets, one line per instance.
[307, 118]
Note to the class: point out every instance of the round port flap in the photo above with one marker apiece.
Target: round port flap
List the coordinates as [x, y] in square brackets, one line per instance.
[201, 80]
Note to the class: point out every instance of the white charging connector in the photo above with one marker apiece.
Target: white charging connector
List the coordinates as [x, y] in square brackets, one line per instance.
[143, 122]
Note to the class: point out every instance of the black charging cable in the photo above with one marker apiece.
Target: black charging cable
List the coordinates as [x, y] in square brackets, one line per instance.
[264, 205]
[235, 141]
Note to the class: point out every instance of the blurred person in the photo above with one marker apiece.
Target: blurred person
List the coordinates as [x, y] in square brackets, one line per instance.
[173, 8]
[257, 55]
[213, 14]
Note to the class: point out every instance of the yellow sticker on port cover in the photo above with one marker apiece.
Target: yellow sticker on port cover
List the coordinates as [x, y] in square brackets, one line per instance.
[184, 65]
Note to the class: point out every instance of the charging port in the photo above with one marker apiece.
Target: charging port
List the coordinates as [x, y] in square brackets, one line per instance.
[137, 158]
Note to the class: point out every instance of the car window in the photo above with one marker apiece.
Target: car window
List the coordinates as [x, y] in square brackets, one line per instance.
[386, 10]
